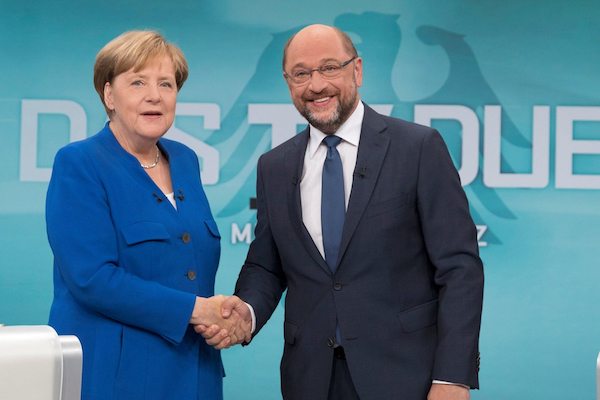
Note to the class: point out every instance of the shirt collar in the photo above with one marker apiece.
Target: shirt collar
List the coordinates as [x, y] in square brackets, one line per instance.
[349, 131]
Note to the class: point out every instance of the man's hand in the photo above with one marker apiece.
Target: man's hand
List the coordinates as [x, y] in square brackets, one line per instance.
[440, 391]
[234, 324]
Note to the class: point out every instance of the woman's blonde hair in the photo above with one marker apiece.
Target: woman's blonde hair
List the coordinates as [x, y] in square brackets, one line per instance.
[134, 49]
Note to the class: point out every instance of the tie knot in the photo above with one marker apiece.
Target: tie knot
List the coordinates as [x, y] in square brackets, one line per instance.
[332, 141]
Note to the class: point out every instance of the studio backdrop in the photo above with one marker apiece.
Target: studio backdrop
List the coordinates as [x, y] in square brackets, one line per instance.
[513, 87]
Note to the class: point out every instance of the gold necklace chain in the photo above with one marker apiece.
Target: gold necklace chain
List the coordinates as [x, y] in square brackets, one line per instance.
[127, 147]
[155, 163]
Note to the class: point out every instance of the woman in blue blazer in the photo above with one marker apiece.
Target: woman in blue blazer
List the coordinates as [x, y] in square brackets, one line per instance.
[135, 245]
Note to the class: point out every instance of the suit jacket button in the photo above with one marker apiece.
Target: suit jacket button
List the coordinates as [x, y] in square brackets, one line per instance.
[191, 275]
[330, 342]
[186, 238]
[337, 286]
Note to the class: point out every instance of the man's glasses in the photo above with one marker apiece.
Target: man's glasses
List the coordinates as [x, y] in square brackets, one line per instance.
[329, 70]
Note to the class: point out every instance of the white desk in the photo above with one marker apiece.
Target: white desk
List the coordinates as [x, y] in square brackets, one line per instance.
[37, 364]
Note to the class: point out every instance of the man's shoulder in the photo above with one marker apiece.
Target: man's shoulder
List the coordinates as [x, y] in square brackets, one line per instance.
[296, 143]
[396, 126]
[402, 134]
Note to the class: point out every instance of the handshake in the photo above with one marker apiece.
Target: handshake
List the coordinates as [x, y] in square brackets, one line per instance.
[222, 321]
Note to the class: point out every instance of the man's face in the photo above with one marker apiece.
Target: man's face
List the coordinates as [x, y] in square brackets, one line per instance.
[325, 102]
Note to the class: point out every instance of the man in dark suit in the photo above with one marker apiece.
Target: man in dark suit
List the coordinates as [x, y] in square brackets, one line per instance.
[362, 218]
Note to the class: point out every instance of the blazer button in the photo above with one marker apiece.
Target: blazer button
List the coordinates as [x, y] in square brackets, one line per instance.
[330, 342]
[186, 238]
[337, 286]
[191, 275]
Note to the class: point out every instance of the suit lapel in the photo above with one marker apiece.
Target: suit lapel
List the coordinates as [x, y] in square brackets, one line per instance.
[371, 153]
[294, 163]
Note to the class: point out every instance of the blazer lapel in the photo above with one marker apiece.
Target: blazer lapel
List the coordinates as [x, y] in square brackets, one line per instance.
[371, 153]
[294, 164]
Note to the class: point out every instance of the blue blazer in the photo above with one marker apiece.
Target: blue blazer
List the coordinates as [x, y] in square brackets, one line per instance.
[127, 269]
[407, 292]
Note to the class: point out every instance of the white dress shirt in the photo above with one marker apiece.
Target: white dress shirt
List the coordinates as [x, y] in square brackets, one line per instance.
[314, 158]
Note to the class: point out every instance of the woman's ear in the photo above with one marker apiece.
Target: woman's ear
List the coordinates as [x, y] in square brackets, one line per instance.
[108, 99]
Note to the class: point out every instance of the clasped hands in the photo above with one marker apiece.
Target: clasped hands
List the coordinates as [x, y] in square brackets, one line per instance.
[222, 321]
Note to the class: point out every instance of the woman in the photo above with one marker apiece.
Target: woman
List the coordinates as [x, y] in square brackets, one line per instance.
[135, 245]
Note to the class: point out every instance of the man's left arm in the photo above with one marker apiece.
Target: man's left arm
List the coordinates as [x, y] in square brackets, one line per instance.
[451, 240]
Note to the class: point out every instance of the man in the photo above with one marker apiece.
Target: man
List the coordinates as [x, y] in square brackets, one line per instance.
[384, 294]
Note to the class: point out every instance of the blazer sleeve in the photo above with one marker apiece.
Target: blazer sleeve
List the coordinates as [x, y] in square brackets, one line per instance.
[451, 241]
[261, 281]
[84, 242]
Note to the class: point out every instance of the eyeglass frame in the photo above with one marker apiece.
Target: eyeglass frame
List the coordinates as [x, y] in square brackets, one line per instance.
[319, 69]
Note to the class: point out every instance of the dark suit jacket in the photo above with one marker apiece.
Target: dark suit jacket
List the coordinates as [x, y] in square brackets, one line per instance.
[407, 293]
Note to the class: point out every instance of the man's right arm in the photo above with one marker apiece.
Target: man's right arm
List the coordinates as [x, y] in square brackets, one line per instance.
[261, 281]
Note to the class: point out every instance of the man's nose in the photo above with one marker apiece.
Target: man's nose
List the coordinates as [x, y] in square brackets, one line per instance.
[317, 83]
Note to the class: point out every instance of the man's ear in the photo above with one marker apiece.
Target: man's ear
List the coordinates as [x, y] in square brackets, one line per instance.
[358, 72]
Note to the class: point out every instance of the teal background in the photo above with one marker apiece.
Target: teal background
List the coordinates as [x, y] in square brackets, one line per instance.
[541, 323]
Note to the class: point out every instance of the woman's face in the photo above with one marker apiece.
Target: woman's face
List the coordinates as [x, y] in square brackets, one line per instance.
[143, 102]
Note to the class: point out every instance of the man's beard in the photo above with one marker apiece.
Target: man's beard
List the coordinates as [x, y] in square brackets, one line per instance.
[330, 124]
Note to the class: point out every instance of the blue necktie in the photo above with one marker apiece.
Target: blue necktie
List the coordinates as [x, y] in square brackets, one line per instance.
[333, 207]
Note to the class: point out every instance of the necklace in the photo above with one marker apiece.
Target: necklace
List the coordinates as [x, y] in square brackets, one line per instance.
[155, 163]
